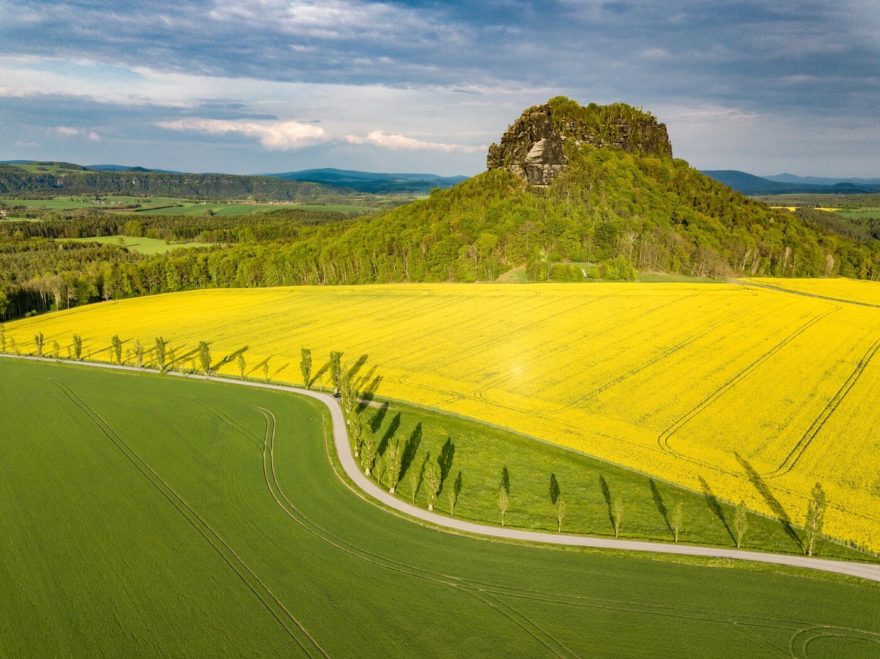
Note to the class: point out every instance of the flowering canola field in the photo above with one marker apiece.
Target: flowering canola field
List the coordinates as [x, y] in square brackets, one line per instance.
[738, 390]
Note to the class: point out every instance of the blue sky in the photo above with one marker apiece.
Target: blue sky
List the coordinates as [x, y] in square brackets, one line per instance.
[276, 85]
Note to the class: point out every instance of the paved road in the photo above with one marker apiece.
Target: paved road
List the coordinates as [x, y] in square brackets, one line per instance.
[343, 449]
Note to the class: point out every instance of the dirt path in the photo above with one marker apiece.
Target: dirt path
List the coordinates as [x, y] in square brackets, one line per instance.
[870, 572]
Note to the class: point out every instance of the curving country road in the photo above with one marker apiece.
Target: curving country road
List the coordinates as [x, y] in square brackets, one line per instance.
[870, 572]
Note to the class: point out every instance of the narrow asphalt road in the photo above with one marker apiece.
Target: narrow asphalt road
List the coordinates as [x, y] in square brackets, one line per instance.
[343, 449]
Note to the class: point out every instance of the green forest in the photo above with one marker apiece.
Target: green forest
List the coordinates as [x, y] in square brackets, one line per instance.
[621, 212]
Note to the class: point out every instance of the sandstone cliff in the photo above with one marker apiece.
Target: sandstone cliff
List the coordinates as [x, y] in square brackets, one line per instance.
[534, 146]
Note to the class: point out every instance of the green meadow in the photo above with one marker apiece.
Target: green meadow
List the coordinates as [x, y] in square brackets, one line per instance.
[146, 514]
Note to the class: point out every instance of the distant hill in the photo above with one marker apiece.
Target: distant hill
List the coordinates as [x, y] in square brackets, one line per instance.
[127, 168]
[750, 184]
[52, 178]
[373, 182]
[820, 180]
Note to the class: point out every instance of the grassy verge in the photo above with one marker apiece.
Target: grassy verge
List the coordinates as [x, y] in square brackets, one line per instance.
[480, 454]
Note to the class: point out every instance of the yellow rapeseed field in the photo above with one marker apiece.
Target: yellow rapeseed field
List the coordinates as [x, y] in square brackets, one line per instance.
[748, 392]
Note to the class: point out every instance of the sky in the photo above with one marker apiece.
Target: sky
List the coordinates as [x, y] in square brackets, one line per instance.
[425, 86]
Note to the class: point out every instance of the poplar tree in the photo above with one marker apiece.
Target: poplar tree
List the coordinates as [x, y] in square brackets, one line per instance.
[815, 516]
[39, 342]
[335, 369]
[740, 523]
[139, 353]
[305, 366]
[560, 512]
[161, 347]
[503, 502]
[392, 459]
[617, 514]
[116, 346]
[676, 520]
[368, 450]
[205, 357]
[432, 480]
[77, 347]
[242, 365]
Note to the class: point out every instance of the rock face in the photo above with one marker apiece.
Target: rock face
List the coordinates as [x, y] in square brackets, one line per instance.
[534, 147]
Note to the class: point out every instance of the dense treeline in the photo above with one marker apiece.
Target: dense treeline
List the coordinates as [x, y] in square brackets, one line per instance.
[619, 210]
[18, 181]
[273, 225]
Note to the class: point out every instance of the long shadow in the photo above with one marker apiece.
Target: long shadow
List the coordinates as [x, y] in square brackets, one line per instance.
[368, 394]
[174, 359]
[410, 449]
[658, 501]
[444, 461]
[505, 479]
[715, 506]
[361, 382]
[232, 356]
[770, 499]
[390, 432]
[606, 492]
[555, 490]
[378, 418]
[321, 371]
[353, 371]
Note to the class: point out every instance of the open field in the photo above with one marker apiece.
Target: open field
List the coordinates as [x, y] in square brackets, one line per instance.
[171, 205]
[747, 392]
[138, 244]
[219, 528]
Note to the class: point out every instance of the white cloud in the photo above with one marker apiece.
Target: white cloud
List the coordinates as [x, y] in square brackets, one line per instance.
[94, 136]
[276, 135]
[66, 131]
[397, 142]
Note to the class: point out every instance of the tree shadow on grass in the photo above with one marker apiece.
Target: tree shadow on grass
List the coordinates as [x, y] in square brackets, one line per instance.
[410, 449]
[606, 493]
[555, 490]
[658, 501]
[378, 418]
[444, 461]
[767, 494]
[715, 506]
[390, 432]
[369, 394]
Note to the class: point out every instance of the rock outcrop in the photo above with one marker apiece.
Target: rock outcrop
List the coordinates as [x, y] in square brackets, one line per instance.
[534, 147]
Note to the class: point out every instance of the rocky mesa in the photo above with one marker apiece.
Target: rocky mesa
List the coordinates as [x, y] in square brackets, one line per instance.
[535, 145]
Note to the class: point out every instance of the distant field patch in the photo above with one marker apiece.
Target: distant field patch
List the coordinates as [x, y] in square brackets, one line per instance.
[146, 246]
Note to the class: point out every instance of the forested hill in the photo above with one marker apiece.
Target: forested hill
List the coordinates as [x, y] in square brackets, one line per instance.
[558, 194]
[18, 180]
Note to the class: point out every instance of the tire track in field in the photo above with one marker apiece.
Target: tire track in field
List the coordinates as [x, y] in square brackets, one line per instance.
[791, 460]
[801, 639]
[267, 598]
[664, 437]
[490, 589]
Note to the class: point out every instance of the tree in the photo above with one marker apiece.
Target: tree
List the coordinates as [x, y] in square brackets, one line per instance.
[77, 347]
[815, 516]
[56, 349]
[39, 343]
[616, 514]
[368, 450]
[139, 353]
[2, 338]
[305, 366]
[335, 369]
[242, 365]
[740, 523]
[392, 460]
[432, 480]
[161, 355]
[676, 520]
[560, 511]
[205, 357]
[266, 370]
[116, 347]
[503, 502]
